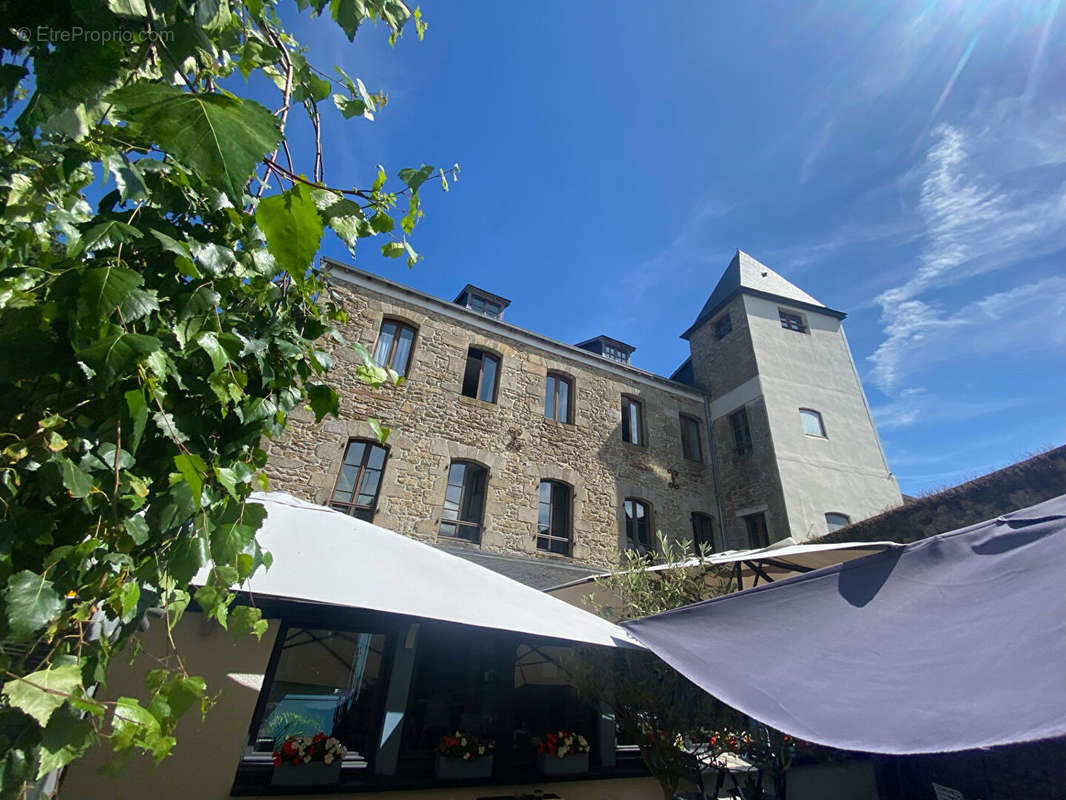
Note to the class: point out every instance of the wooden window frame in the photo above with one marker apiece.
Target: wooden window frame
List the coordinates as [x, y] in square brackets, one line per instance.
[477, 527]
[557, 377]
[745, 446]
[481, 373]
[550, 537]
[693, 423]
[631, 542]
[821, 423]
[751, 525]
[792, 321]
[695, 534]
[352, 508]
[642, 438]
[400, 324]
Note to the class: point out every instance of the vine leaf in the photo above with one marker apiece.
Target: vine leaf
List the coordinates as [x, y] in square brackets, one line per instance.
[31, 603]
[65, 738]
[38, 693]
[292, 227]
[220, 137]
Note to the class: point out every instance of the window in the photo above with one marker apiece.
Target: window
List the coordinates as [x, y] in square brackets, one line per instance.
[482, 373]
[738, 420]
[702, 533]
[557, 391]
[812, 422]
[638, 524]
[553, 518]
[792, 322]
[691, 448]
[356, 492]
[464, 501]
[329, 681]
[632, 421]
[486, 307]
[834, 521]
[394, 345]
[723, 327]
[615, 354]
[757, 534]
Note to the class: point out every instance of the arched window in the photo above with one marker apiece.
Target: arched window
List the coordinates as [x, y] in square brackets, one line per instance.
[356, 492]
[835, 521]
[464, 501]
[395, 342]
[558, 391]
[553, 517]
[638, 524]
[702, 532]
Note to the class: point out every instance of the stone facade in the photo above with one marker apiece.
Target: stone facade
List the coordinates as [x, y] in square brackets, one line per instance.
[433, 424]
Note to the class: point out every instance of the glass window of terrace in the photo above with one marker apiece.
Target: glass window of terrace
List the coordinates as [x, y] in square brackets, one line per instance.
[482, 375]
[464, 501]
[553, 518]
[325, 681]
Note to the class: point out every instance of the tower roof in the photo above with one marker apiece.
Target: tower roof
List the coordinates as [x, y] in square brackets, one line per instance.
[745, 274]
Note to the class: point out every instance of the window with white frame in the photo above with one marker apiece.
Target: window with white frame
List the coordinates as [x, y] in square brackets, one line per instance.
[812, 422]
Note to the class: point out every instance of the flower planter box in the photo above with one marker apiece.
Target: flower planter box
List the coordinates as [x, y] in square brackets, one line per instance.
[458, 769]
[573, 764]
[317, 773]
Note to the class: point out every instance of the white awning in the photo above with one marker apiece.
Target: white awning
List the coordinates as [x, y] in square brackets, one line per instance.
[324, 556]
[749, 567]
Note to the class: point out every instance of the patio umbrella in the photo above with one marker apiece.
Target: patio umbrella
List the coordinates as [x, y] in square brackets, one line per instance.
[324, 556]
[951, 643]
[746, 568]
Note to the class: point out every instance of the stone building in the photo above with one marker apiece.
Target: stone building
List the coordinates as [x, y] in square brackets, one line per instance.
[546, 460]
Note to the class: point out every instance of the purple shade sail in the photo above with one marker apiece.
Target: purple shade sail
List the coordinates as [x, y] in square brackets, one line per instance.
[951, 643]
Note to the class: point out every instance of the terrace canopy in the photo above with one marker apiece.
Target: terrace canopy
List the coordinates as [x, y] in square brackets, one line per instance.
[325, 557]
[951, 643]
[745, 567]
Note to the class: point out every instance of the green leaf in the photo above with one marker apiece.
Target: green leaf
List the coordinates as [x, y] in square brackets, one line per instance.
[133, 9]
[292, 227]
[106, 234]
[381, 222]
[31, 603]
[379, 430]
[64, 738]
[137, 529]
[209, 342]
[228, 478]
[40, 693]
[129, 597]
[323, 399]
[192, 469]
[415, 177]
[117, 350]
[392, 249]
[246, 619]
[220, 137]
[102, 290]
[127, 177]
[183, 692]
[379, 181]
[138, 408]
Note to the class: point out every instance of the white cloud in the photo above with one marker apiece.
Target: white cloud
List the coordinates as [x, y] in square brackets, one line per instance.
[974, 224]
[917, 406]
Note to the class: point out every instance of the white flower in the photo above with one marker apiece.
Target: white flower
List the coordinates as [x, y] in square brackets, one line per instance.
[307, 759]
[481, 750]
[329, 758]
[462, 742]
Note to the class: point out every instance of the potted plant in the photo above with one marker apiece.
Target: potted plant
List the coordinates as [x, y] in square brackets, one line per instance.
[464, 757]
[308, 760]
[563, 753]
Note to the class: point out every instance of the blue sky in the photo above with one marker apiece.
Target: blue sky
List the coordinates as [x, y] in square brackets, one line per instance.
[904, 162]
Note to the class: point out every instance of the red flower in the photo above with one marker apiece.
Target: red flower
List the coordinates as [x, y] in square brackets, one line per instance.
[319, 737]
[277, 760]
[295, 761]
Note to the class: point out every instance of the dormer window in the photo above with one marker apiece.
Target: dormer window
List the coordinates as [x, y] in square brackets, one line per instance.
[608, 348]
[481, 302]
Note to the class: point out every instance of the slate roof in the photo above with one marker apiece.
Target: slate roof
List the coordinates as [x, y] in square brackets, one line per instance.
[746, 274]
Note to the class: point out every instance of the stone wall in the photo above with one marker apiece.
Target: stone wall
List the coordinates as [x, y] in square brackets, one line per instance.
[1018, 486]
[720, 365]
[433, 424]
